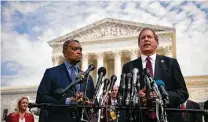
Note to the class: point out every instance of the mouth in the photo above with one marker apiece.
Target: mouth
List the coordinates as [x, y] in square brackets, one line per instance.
[79, 56]
[146, 45]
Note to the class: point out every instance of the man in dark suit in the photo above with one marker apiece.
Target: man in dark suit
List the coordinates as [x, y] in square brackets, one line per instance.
[161, 68]
[60, 77]
[206, 107]
[191, 117]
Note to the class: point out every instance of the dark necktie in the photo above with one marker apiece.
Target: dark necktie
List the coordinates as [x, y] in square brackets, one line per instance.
[152, 115]
[149, 65]
[73, 76]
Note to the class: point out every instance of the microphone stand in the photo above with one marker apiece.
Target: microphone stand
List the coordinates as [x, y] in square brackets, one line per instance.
[84, 109]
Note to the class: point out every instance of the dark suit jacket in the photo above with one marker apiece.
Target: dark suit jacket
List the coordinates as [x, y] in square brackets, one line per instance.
[192, 117]
[168, 70]
[54, 78]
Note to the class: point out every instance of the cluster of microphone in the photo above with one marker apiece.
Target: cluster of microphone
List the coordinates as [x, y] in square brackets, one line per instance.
[157, 86]
[107, 86]
[128, 88]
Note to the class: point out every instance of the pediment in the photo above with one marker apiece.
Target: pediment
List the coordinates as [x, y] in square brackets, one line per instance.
[107, 28]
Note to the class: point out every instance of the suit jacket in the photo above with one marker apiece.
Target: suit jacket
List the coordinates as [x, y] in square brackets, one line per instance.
[14, 117]
[192, 117]
[168, 70]
[54, 78]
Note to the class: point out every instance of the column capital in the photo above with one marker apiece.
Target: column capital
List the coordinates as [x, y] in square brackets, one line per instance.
[117, 53]
[134, 53]
[167, 50]
[57, 60]
[99, 55]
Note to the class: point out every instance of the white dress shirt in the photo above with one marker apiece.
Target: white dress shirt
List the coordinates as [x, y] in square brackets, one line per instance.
[153, 60]
[21, 120]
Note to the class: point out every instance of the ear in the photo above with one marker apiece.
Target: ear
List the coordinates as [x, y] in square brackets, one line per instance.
[157, 44]
[63, 53]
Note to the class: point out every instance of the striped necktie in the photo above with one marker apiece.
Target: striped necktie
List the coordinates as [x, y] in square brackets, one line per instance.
[73, 76]
[152, 115]
[149, 65]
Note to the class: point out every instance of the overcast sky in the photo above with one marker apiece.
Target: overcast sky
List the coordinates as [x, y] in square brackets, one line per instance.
[27, 26]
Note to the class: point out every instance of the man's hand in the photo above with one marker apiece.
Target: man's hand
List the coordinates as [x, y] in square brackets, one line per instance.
[142, 95]
[79, 95]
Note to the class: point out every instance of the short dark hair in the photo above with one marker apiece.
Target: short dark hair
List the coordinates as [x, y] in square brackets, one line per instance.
[67, 42]
[147, 28]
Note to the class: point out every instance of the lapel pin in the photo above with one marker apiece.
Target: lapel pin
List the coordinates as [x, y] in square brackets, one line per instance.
[162, 61]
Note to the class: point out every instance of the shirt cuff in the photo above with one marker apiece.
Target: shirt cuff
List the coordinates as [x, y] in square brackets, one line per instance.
[67, 101]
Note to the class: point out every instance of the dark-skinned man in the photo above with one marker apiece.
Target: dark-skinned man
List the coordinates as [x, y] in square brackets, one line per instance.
[60, 77]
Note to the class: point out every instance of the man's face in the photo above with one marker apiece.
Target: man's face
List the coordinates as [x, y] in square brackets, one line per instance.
[115, 92]
[148, 43]
[74, 52]
[23, 104]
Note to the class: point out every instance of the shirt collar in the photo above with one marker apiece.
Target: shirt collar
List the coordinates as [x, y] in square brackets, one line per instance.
[153, 57]
[68, 65]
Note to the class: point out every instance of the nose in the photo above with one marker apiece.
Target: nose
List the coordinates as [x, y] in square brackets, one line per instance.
[145, 38]
[79, 51]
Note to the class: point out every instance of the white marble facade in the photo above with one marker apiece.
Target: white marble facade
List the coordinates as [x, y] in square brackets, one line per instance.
[111, 43]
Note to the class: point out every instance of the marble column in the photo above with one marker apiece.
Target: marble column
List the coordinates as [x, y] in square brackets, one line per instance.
[84, 61]
[100, 60]
[117, 65]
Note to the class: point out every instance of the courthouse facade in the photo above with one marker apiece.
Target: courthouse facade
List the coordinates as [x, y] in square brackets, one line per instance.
[111, 43]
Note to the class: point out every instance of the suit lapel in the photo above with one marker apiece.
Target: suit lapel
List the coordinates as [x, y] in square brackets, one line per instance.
[158, 67]
[65, 73]
[67, 79]
[138, 64]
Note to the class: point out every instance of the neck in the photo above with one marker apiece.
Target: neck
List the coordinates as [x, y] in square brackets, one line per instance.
[72, 62]
[112, 98]
[148, 53]
[22, 111]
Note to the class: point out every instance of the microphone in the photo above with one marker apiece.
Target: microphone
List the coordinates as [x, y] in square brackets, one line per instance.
[151, 83]
[113, 80]
[80, 78]
[122, 89]
[164, 93]
[135, 79]
[101, 74]
[135, 72]
[148, 77]
[90, 68]
[36, 105]
[129, 87]
[105, 87]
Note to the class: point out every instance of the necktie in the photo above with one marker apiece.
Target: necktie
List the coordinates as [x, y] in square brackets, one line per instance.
[183, 107]
[152, 115]
[149, 65]
[73, 76]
